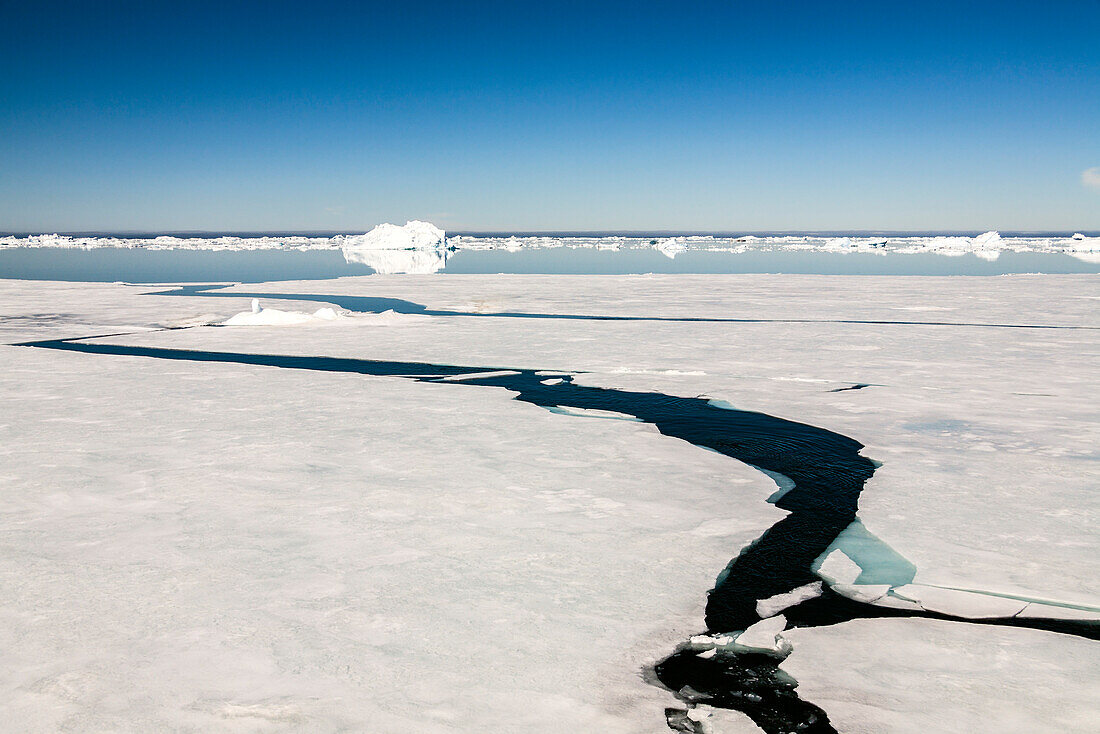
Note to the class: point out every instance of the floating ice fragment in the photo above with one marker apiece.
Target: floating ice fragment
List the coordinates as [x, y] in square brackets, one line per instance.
[710, 640]
[765, 636]
[255, 305]
[774, 604]
[838, 568]
[592, 413]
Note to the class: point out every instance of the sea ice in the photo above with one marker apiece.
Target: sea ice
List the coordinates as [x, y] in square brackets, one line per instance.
[232, 546]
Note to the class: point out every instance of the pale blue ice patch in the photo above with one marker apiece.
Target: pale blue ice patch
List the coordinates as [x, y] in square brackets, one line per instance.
[878, 562]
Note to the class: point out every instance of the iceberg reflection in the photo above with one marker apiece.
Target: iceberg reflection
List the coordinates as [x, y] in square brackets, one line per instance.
[393, 262]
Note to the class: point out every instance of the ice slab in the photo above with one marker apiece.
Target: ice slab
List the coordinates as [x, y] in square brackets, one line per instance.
[765, 636]
[773, 605]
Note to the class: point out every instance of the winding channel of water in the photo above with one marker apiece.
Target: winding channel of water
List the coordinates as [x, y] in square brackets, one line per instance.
[821, 474]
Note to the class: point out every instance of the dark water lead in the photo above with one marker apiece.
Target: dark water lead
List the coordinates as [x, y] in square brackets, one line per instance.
[823, 473]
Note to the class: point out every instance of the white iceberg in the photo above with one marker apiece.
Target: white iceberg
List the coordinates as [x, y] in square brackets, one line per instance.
[417, 248]
[671, 247]
[987, 245]
[414, 235]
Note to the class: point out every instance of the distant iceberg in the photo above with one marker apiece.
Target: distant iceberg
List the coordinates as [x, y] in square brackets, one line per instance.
[987, 245]
[415, 235]
[671, 247]
[416, 248]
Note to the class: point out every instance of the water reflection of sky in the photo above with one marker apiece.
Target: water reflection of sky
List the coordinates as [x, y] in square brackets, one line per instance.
[108, 264]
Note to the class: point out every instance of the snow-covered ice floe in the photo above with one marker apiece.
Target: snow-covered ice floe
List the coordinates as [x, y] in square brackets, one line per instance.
[229, 544]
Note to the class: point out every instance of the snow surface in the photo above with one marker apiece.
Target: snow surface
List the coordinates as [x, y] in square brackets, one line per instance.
[240, 548]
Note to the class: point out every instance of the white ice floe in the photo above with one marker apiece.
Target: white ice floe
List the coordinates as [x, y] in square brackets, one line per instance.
[774, 604]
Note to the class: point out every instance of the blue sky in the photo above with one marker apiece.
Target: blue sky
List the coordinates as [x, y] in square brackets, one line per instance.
[557, 115]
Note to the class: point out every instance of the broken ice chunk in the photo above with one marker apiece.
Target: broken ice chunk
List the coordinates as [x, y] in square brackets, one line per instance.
[774, 604]
[764, 636]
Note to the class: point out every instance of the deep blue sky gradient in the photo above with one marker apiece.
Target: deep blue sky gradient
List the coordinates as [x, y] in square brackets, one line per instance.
[554, 115]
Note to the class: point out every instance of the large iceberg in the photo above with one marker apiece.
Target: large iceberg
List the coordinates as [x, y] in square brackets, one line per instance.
[417, 248]
[415, 235]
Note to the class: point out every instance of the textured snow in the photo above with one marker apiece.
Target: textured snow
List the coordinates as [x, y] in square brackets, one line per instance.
[236, 548]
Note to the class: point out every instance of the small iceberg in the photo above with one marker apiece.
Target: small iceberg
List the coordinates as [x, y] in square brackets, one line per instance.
[987, 245]
[671, 247]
